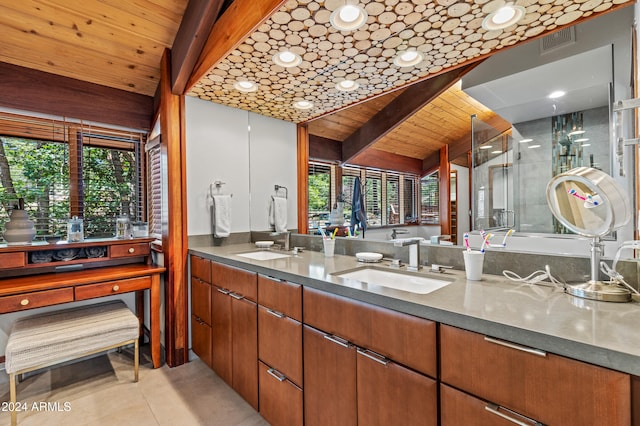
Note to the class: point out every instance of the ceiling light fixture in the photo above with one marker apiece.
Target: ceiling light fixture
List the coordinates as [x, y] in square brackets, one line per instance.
[303, 104]
[526, 140]
[582, 140]
[347, 85]
[287, 59]
[503, 17]
[348, 17]
[245, 86]
[496, 152]
[408, 58]
[586, 144]
[486, 147]
[534, 146]
[557, 94]
[576, 132]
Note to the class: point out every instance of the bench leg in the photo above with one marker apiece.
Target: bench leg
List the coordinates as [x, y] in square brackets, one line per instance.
[12, 399]
[136, 362]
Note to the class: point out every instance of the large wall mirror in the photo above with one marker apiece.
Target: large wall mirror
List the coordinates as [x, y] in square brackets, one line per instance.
[590, 68]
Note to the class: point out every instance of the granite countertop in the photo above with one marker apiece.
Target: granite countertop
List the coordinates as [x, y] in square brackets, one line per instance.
[542, 317]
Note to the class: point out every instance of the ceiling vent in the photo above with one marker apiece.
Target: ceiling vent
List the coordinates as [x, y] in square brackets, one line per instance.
[564, 37]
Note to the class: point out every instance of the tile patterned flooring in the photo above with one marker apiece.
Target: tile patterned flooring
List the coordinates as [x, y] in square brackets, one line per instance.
[101, 391]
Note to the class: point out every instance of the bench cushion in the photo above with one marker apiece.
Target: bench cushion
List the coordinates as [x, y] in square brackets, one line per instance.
[58, 336]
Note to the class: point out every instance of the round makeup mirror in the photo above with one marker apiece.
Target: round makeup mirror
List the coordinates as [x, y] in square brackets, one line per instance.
[591, 203]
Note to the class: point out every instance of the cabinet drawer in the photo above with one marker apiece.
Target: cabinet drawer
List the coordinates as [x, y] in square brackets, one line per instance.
[237, 280]
[201, 300]
[201, 268]
[133, 249]
[409, 340]
[534, 385]
[90, 291]
[201, 340]
[280, 400]
[280, 343]
[20, 302]
[11, 260]
[458, 408]
[280, 296]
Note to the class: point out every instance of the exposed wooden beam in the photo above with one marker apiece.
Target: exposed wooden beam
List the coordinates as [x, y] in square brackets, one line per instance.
[400, 109]
[197, 21]
[31, 90]
[324, 148]
[384, 160]
[235, 24]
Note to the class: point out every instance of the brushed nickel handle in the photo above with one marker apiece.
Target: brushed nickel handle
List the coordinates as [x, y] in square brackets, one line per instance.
[278, 375]
[276, 314]
[338, 340]
[24, 302]
[223, 291]
[521, 348]
[236, 296]
[494, 409]
[116, 287]
[374, 356]
[132, 250]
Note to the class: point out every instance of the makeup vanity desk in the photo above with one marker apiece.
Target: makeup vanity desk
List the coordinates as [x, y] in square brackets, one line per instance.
[44, 274]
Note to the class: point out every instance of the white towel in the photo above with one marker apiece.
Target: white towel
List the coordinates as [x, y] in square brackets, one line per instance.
[221, 215]
[278, 213]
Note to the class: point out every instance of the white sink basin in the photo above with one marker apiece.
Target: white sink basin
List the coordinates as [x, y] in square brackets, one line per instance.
[398, 280]
[263, 255]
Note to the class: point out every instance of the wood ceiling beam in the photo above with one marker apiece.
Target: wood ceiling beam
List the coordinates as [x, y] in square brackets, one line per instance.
[236, 23]
[325, 149]
[385, 160]
[400, 109]
[196, 25]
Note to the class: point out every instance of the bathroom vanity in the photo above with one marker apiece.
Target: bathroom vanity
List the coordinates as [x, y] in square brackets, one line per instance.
[488, 352]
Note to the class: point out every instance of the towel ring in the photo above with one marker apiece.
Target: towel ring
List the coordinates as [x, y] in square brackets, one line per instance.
[279, 187]
[218, 185]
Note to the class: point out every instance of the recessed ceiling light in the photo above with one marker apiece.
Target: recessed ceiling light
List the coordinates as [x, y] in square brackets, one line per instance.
[526, 140]
[503, 17]
[534, 146]
[486, 147]
[557, 94]
[582, 140]
[287, 59]
[408, 58]
[303, 104]
[347, 85]
[576, 132]
[348, 17]
[245, 86]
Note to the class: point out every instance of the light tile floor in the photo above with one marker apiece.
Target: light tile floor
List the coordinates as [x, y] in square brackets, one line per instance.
[101, 391]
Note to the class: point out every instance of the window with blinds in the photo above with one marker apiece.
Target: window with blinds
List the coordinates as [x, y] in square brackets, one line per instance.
[393, 199]
[319, 194]
[373, 198]
[349, 175]
[67, 168]
[430, 201]
[409, 199]
[154, 188]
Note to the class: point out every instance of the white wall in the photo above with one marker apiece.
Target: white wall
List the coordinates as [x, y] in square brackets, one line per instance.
[249, 152]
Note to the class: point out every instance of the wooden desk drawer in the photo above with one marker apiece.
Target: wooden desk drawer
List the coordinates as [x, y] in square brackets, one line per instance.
[133, 249]
[11, 260]
[36, 299]
[90, 291]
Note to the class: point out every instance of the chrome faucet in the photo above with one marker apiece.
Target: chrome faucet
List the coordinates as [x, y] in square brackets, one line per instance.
[286, 241]
[395, 232]
[414, 252]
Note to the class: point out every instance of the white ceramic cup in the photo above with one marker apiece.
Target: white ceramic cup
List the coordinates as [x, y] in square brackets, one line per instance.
[329, 247]
[473, 261]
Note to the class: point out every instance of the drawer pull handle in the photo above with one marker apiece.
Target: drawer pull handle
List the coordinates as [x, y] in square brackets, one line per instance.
[236, 296]
[116, 287]
[494, 409]
[276, 314]
[278, 375]
[373, 356]
[337, 340]
[24, 302]
[526, 349]
[223, 291]
[132, 250]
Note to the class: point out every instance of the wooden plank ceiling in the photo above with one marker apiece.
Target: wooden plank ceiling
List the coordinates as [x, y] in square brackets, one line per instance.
[113, 43]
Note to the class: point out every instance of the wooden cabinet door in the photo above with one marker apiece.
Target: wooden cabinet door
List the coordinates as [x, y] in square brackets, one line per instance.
[548, 388]
[280, 400]
[221, 350]
[201, 299]
[281, 296]
[235, 279]
[244, 324]
[201, 268]
[201, 339]
[458, 408]
[329, 380]
[389, 394]
[280, 343]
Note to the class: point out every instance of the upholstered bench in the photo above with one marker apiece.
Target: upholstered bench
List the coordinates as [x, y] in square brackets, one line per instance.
[54, 337]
